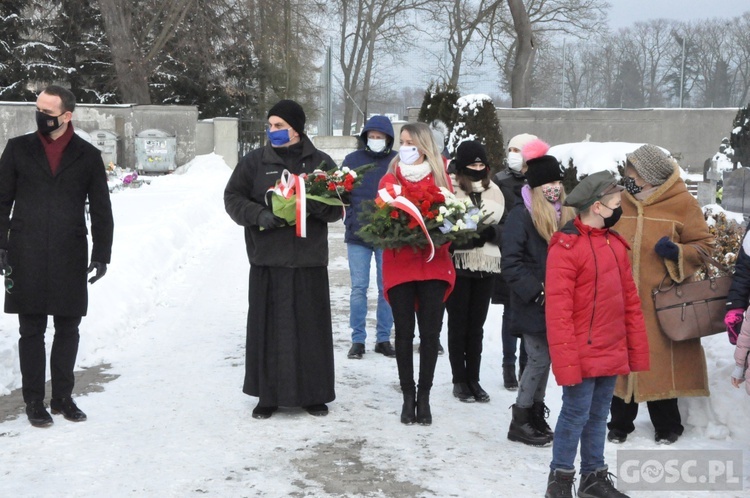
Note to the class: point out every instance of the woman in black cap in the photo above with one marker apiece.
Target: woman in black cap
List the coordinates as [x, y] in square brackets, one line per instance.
[476, 263]
[289, 353]
[527, 231]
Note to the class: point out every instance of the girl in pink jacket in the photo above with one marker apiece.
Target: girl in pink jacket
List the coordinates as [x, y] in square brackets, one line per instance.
[741, 371]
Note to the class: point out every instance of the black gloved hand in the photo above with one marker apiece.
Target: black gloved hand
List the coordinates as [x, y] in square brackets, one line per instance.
[4, 265]
[268, 220]
[487, 234]
[100, 268]
[667, 249]
[316, 208]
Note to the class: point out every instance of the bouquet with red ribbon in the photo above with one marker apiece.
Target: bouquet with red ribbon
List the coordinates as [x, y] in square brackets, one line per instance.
[288, 198]
[419, 217]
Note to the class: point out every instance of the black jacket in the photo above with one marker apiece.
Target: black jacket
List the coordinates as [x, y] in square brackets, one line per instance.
[523, 267]
[510, 184]
[245, 198]
[46, 235]
[739, 292]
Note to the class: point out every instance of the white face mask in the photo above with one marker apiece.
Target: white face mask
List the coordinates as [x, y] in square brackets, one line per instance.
[515, 161]
[376, 144]
[408, 154]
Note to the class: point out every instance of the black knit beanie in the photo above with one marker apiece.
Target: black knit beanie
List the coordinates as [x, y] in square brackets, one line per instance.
[544, 169]
[470, 152]
[291, 112]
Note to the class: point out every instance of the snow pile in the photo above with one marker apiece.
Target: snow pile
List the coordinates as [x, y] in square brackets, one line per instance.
[592, 157]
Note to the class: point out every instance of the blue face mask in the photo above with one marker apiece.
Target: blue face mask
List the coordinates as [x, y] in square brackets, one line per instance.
[278, 137]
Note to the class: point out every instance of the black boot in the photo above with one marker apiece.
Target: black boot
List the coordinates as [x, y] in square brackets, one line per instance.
[509, 377]
[522, 431]
[539, 413]
[480, 394]
[598, 484]
[68, 408]
[37, 414]
[560, 484]
[424, 416]
[408, 416]
[462, 392]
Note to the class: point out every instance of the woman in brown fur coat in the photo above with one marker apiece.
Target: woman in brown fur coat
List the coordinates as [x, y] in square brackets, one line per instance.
[664, 226]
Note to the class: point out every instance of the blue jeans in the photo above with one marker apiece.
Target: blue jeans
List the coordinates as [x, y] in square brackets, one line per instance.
[360, 258]
[583, 418]
[510, 342]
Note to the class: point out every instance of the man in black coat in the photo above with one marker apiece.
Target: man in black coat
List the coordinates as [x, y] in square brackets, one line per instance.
[289, 351]
[45, 179]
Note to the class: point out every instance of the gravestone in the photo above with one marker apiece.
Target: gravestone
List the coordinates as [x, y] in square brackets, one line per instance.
[736, 196]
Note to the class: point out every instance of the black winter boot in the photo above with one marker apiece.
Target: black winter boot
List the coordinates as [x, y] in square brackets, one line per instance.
[598, 484]
[509, 377]
[462, 392]
[522, 431]
[424, 416]
[539, 412]
[408, 415]
[560, 484]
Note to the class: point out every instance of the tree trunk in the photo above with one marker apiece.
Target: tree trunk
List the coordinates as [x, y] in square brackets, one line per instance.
[520, 78]
[132, 76]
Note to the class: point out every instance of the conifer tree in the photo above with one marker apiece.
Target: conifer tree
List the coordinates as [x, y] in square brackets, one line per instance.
[475, 118]
[740, 138]
[13, 26]
[439, 103]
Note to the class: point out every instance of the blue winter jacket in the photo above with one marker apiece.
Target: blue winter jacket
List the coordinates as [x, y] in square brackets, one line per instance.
[368, 189]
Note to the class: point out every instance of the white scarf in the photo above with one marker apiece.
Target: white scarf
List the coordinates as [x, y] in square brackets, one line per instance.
[415, 172]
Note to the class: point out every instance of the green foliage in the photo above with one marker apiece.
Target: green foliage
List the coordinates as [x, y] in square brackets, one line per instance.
[740, 138]
[439, 103]
[475, 118]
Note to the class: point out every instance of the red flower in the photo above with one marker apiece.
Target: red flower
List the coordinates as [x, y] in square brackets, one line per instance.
[394, 214]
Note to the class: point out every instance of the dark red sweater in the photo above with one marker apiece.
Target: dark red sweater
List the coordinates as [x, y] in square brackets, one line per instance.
[54, 148]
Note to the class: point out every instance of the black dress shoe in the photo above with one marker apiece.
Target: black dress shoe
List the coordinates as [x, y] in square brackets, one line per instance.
[386, 349]
[263, 412]
[479, 393]
[356, 351]
[320, 410]
[37, 413]
[68, 408]
[462, 392]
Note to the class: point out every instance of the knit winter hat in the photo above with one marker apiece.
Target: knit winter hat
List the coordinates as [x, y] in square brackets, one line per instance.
[543, 168]
[291, 112]
[652, 163]
[470, 152]
[519, 141]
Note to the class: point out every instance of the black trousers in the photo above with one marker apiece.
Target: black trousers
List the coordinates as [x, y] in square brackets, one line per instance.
[33, 357]
[423, 299]
[467, 311]
[664, 413]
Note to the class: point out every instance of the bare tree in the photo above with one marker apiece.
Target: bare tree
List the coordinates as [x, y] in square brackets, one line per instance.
[524, 57]
[363, 28]
[134, 61]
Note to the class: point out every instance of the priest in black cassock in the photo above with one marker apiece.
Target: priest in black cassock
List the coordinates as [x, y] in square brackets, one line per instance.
[289, 352]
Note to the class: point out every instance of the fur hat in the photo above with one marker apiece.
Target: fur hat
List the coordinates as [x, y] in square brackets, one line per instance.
[519, 141]
[542, 168]
[291, 112]
[652, 164]
[470, 152]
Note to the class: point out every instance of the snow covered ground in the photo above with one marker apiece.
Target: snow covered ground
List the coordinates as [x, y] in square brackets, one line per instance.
[169, 317]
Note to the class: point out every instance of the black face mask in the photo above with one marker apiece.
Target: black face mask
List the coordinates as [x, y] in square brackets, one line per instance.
[46, 124]
[475, 175]
[610, 221]
[631, 187]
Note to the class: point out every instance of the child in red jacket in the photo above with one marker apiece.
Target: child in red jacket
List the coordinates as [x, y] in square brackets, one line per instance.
[595, 331]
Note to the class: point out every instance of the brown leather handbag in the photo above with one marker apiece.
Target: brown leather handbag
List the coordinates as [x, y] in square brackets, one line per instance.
[691, 310]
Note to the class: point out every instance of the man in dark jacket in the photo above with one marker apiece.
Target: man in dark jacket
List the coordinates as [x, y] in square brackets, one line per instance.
[510, 181]
[45, 179]
[289, 352]
[377, 142]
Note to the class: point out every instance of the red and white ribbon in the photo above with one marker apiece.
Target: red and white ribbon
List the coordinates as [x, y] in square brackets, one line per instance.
[290, 185]
[391, 194]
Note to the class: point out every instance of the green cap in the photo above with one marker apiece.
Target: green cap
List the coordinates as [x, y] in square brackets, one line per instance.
[591, 189]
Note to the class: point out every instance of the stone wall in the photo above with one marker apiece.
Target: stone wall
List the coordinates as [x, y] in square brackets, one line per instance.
[691, 135]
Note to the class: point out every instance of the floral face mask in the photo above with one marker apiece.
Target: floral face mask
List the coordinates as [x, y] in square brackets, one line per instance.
[551, 193]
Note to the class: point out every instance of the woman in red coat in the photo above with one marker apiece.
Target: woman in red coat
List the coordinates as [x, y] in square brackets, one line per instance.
[416, 288]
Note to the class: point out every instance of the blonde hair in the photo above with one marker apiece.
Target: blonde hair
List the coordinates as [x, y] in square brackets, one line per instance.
[421, 135]
[544, 215]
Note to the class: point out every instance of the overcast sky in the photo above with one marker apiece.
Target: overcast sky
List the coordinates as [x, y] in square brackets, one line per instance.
[624, 13]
